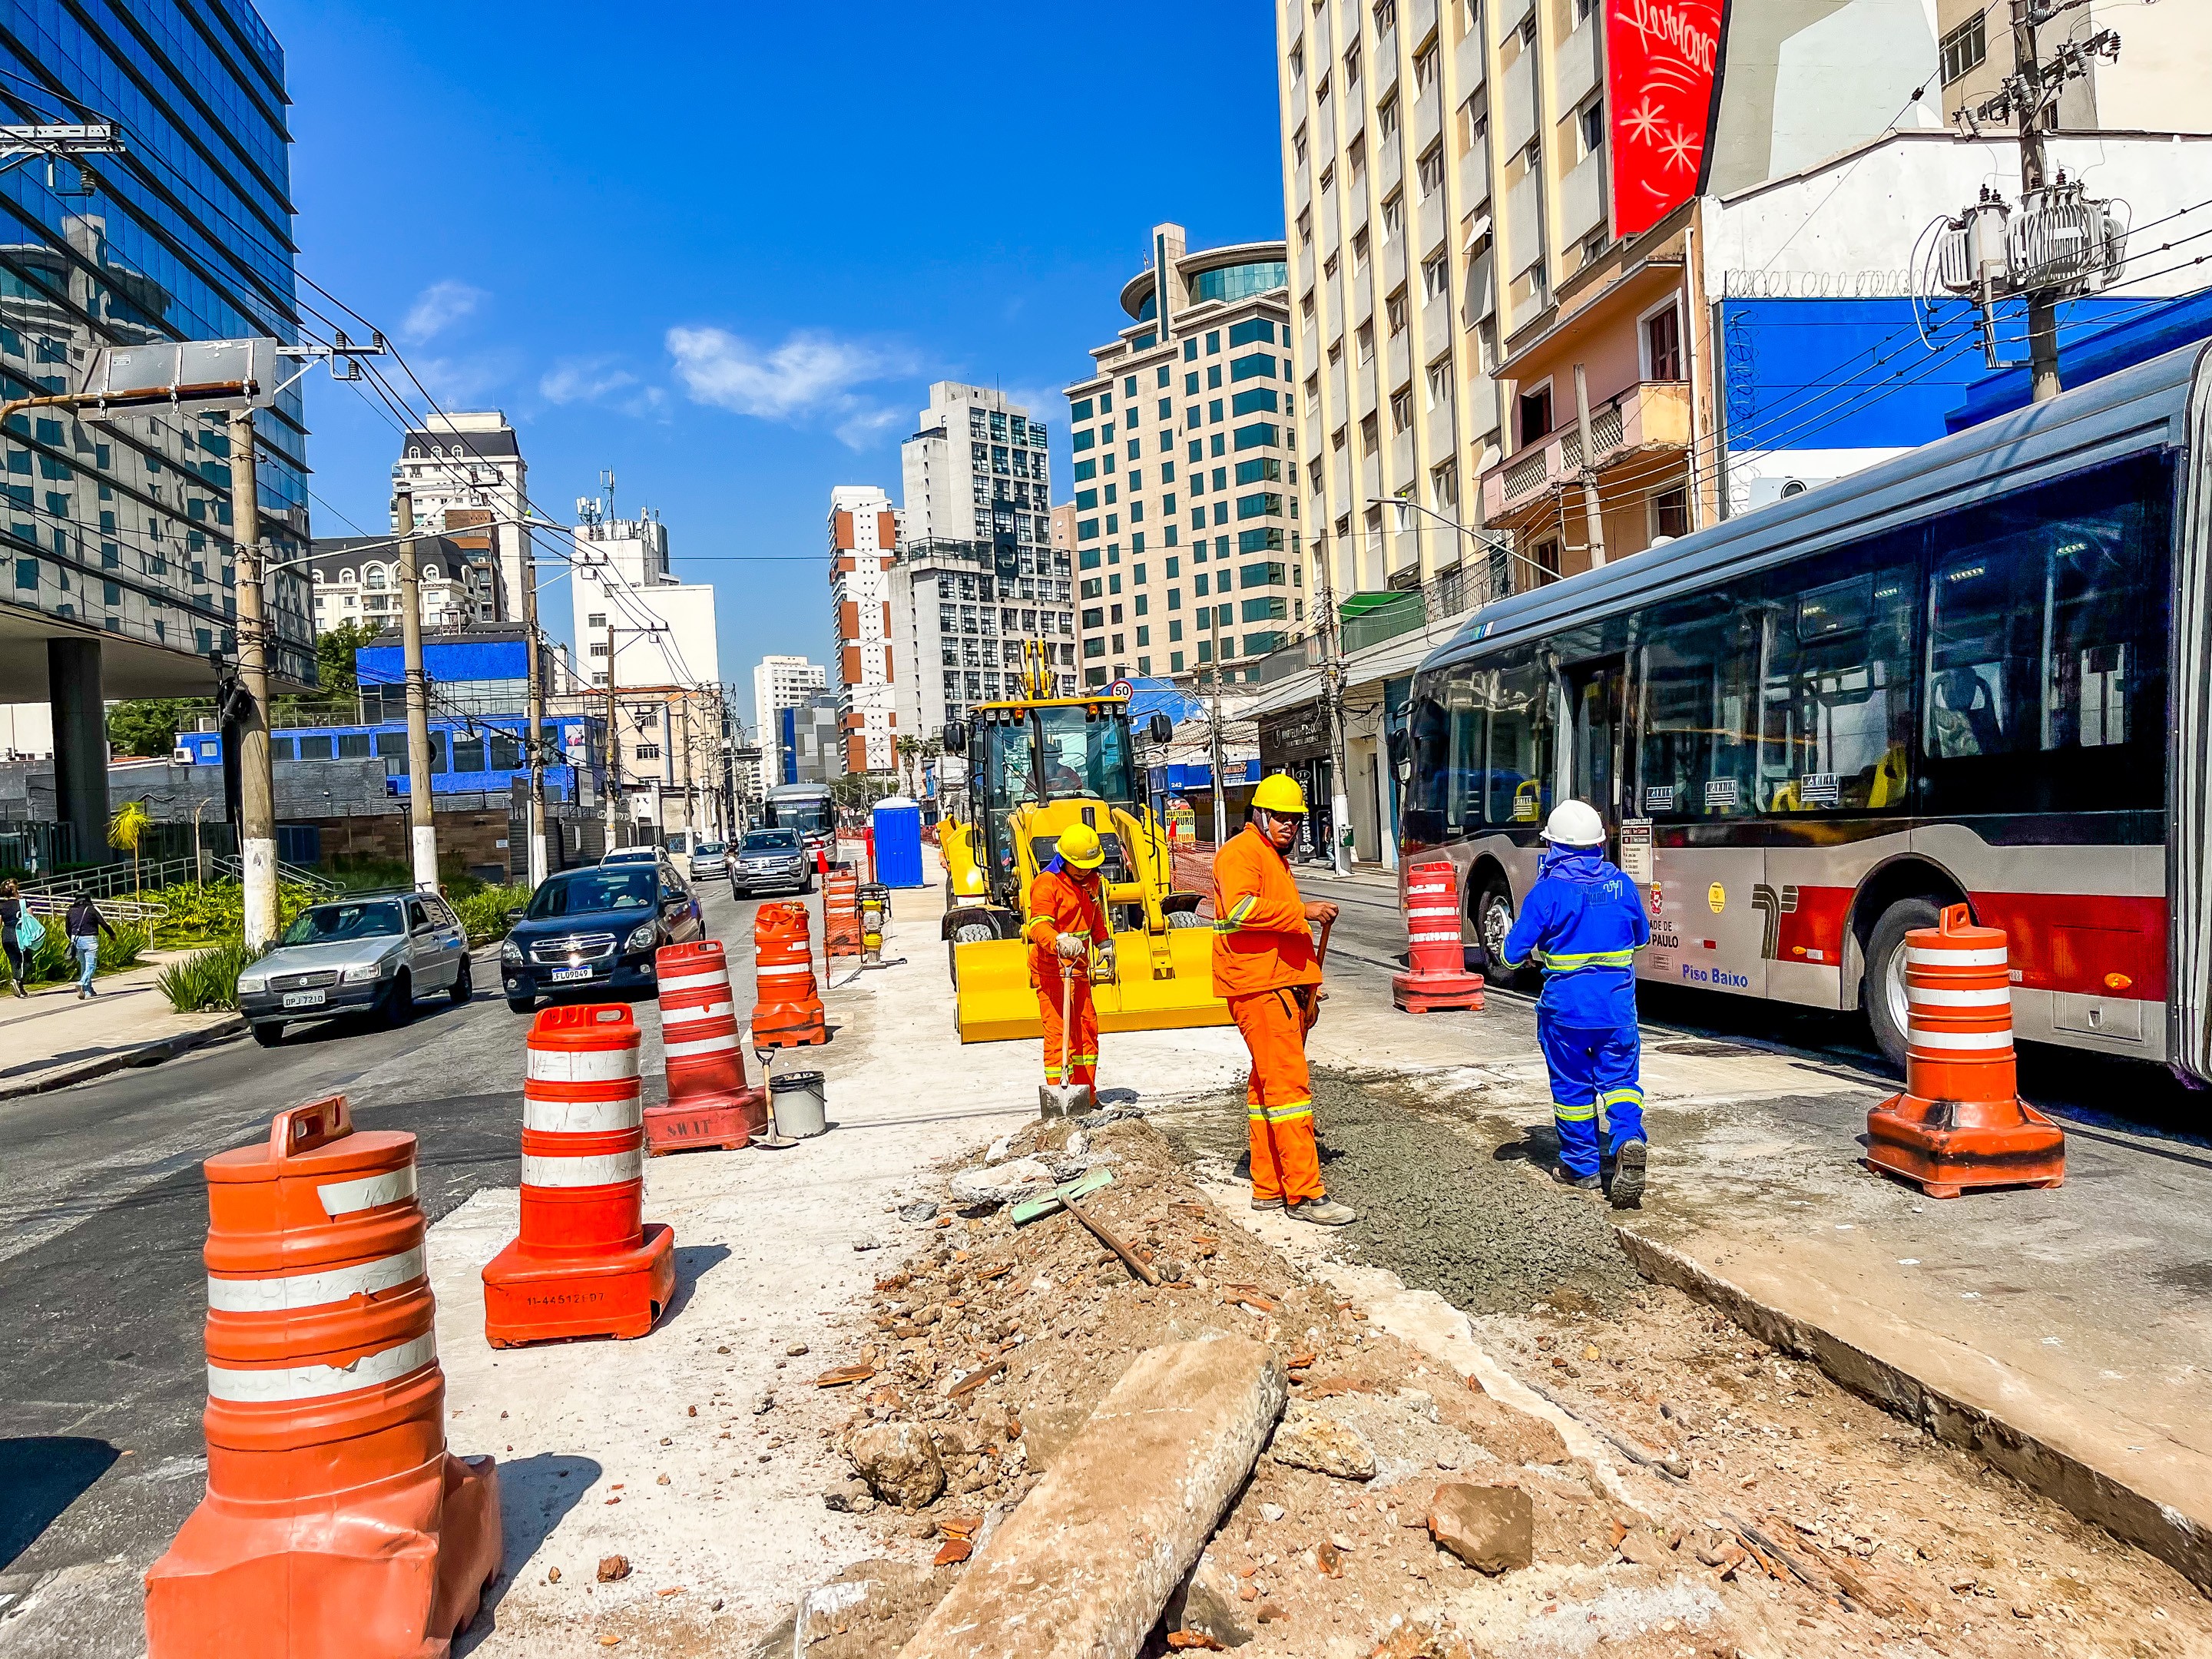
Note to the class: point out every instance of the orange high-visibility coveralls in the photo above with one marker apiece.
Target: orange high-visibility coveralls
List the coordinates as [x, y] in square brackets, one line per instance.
[1262, 956]
[1065, 902]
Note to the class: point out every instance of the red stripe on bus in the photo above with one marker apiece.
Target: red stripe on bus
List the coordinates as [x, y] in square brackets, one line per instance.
[2096, 945]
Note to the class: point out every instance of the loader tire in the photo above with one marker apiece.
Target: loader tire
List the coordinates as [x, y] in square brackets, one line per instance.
[1186, 919]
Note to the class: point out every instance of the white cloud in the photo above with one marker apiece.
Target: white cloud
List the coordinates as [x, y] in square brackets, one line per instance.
[584, 380]
[811, 375]
[438, 308]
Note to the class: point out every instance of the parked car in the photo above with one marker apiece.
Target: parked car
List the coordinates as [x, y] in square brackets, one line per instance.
[631, 855]
[710, 860]
[768, 860]
[596, 929]
[371, 953]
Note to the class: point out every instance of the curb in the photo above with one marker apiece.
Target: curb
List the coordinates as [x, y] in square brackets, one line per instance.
[2091, 1494]
[147, 1054]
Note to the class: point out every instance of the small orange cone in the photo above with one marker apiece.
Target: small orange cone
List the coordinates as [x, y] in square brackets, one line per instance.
[1436, 980]
[709, 1103]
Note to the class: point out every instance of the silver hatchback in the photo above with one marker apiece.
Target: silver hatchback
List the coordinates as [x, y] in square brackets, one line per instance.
[375, 953]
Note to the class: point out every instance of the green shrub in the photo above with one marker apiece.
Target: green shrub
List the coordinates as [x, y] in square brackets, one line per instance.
[207, 980]
[484, 912]
[54, 962]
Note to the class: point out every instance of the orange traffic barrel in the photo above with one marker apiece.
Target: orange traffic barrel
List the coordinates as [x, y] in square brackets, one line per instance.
[586, 1262]
[336, 1525]
[1960, 1122]
[1435, 977]
[708, 1103]
[841, 913]
[786, 1003]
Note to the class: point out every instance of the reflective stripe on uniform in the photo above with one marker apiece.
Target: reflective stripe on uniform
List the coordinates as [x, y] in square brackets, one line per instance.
[282, 1383]
[1582, 1113]
[315, 1290]
[1564, 961]
[1616, 1096]
[1235, 919]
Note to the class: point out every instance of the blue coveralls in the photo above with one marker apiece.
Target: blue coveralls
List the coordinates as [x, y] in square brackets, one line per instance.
[1586, 922]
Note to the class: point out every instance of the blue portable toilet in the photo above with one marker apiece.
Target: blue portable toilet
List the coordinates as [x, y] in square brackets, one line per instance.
[897, 822]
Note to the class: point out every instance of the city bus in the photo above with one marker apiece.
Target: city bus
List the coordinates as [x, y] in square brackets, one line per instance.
[808, 808]
[1976, 673]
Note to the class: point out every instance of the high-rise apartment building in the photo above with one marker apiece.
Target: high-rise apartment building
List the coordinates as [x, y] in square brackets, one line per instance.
[473, 461]
[976, 573]
[780, 683]
[1186, 512]
[864, 533]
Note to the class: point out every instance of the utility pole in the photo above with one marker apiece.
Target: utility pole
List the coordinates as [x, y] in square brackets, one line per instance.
[256, 786]
[614, 746]
[534, 708]
[1332, 691]
[2035, 180]
[1221, 798]
[1594, 524]
[422, 815]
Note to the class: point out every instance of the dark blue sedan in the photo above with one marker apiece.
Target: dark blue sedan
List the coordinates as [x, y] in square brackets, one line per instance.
[595, 930]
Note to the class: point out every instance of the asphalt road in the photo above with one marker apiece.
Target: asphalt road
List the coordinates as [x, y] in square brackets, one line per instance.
[102, 1291]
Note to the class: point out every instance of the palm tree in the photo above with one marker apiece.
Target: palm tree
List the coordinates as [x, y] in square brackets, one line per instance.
[125, 831]
[909, 751]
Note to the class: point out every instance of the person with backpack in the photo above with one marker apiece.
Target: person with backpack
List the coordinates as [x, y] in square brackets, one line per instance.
[20, 933]
[83, 926]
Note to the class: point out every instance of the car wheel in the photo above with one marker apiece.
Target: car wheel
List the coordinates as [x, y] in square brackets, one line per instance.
[465, 984]
[521, 1004]
[1881, 991]
[806, 886]
[400, 1000]
[1493, 921]
[269, 1033]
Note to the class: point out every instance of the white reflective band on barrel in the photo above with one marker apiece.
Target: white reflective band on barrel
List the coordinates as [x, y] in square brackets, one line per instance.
[1433, 938]
[713, 1045]
[695, 982]
[1988, 996]
[581, 1117]
[1993, 958]
[712, 1011]
[581, 1065]
[802, 967]
[1431, 912]
[1961, 1039]
[318, 1382]
[344, 1197]
[316, 1290]
[599, 1170]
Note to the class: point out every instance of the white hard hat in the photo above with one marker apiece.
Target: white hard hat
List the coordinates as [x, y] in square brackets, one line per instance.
[1575, 823]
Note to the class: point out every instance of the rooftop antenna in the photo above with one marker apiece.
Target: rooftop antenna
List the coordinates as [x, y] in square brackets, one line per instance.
[607, 489]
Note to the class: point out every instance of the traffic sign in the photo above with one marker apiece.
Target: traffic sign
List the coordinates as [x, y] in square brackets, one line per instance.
[1121, 688]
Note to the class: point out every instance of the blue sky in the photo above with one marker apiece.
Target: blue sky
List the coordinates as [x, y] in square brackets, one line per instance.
[724, 250]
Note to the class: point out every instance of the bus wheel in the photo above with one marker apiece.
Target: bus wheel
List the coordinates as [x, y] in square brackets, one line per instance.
[1493, 921]
[1882, 992]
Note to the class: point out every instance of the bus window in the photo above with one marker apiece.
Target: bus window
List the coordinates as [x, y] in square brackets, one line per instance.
[1837, 716]
[1517, 772]
[1698, 738]
[2045, 686]
[1436, 786]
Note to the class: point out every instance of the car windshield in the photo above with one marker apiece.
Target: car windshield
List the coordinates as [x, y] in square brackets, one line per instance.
[709, 849]
[330, 924]
[772, 841]
[581, 891]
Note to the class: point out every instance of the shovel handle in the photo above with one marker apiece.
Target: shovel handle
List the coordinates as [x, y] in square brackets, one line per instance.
[1105, 1236]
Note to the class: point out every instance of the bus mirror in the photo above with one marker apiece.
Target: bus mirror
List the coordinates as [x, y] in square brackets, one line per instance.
[956, 739]
[1160, 729]
[1402, 748]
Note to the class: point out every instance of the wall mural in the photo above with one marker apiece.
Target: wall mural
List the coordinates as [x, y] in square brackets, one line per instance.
[1660, 56]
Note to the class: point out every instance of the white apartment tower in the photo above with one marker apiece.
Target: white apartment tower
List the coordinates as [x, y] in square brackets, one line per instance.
[976, 573]
[473, 461]
[863, 540]
[782, 683]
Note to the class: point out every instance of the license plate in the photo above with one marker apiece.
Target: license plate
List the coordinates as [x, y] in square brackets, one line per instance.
[559, 975]
[303, 999]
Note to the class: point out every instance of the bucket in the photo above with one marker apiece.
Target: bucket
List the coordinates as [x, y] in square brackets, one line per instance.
[800, 1107]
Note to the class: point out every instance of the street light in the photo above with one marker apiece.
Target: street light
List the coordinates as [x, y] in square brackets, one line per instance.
[1496, 541]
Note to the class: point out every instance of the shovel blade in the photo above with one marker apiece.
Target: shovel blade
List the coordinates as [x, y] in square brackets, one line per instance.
[1065, 1100]
[1045, 1204]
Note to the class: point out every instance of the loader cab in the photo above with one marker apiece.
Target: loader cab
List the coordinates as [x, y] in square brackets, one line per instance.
[1031, 755]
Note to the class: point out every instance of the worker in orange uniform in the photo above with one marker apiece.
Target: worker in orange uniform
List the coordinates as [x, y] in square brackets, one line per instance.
[1067, 918]
[1264, 966]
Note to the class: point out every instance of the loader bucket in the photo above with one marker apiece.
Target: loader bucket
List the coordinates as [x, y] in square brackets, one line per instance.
[997, 1002]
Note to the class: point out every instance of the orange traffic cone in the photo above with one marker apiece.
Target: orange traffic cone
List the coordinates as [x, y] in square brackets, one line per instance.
[1960, 1122]
[335, 1526]
[709, 1104]
[786, 1004]
[841, 912]
[1436, 979]
[584, 1263]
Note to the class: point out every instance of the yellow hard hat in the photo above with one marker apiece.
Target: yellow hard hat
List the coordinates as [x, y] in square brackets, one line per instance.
[1078, 846]
[1280, 793]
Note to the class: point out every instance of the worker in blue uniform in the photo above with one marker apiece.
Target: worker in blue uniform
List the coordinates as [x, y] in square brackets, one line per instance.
[1584, 921]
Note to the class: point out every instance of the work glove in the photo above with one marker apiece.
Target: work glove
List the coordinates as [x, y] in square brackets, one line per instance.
[1106, 958]
[1070, 947]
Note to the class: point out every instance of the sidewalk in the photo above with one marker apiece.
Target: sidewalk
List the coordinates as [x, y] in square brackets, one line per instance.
[50, 1038]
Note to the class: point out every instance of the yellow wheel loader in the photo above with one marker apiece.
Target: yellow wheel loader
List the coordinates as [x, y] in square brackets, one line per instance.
[1037, 765]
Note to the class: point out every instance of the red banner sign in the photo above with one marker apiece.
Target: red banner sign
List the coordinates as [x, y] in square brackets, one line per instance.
[1660, 58]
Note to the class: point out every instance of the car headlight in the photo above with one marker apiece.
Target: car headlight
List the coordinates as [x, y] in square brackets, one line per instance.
[511, 952]
[253, 981]
[642, 937]
[358, 971]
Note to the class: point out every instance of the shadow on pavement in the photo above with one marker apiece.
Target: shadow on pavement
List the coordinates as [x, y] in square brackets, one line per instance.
[693, 1263]
[41, 1475]
[534, 1493]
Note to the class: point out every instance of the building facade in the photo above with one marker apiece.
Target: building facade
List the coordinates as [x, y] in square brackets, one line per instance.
[473, 461]
[864, 535]
[780, 683]
[119, 579]
[1187, 551]
[356, 579]
[810, 744]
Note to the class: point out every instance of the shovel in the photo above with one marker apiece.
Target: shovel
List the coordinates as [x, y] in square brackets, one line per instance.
[775, 1140]
[1064, 1098]
[1063, 1197]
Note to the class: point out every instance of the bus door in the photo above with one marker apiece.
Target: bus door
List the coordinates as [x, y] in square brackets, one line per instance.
[1594, 691]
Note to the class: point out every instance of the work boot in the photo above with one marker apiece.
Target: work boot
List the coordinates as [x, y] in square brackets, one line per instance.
[1581, 1183]
[1267, 1203]
[1323, 1212]
[1628, 1176]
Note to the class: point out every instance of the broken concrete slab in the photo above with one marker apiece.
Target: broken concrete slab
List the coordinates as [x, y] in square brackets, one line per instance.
[1085, 1567]
[898, 1462]
[1492, 1529]
[1311, 1439]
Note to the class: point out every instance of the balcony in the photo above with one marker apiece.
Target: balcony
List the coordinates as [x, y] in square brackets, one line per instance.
[1420, 18]
[1653, 415]
[1428, 117]
[1582, 198]
[1524, 237]
[1475, 173]
[1428, 228]
[1469, 64]
[1518, 120]
[1575, 71]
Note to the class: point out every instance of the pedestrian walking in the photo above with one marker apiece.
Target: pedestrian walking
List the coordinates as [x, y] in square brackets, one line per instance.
[84, 925]
[1066, 921]
[20, 932]
[1264, 966]
[1584, 921]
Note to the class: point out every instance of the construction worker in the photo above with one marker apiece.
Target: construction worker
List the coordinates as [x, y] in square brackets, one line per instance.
[1264, 966]
[1584, 921]
[1068, 918]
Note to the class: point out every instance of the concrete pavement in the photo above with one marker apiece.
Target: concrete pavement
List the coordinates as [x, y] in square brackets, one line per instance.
[52, 1038]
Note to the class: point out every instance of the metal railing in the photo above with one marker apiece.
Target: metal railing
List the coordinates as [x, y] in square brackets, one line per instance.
[321, 886]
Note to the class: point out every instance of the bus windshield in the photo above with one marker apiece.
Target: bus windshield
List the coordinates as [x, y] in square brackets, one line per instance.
[809, 815]
[1086, 752]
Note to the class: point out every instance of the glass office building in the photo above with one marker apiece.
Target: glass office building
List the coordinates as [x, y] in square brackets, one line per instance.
[119, 532]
